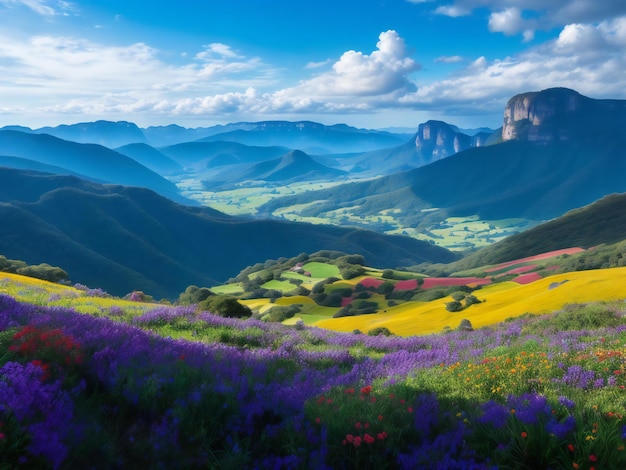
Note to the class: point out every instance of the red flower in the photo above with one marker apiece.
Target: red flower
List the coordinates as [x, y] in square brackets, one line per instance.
[356, 442]
[409, 409]
[349, 438]
[2, 435]
[570, 447]
[357, 425]
[593, 458]
[380, 417]
[318, 420]
[366, 390]
[368, 439]
[524, 435]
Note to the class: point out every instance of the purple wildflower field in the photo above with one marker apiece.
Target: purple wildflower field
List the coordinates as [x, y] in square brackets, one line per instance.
[177, 388]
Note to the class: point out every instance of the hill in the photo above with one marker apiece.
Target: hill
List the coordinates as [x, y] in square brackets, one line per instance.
[199, 156]
[151, 158]
[602, 222]
[93, 161]
[294, 166]
[124, 238]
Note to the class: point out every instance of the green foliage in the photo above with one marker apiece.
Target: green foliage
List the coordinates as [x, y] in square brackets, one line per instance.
[40, 271]
[225, 306]
[357, 307]
[281, 313]
[458, 295]
[471, 300]
[380, 331]
[465, 325]
[387, 274]
[454, 306]
[194, 295]
[385, 288]
[351, 271]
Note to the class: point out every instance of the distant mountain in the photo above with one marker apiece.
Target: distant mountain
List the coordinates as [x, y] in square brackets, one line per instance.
[310, 137]
[93, 161]
[124, 238]
[294, 166]
[522, 177]
[602, 222]
[163, 136]
[107, 133]
[151, 158]
[202, 155]
[433, 141]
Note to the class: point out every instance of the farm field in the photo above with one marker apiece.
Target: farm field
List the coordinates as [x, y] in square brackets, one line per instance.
[498, 302]
[454, 233]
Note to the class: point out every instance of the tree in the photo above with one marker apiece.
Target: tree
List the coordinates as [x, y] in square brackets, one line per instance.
[471, 300]
[454, 306]
[194, 295]
[381, 330]
[225, 306]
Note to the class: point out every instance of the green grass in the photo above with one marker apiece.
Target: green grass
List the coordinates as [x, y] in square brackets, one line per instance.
[228, 289]
[322, 270]
[282, 286]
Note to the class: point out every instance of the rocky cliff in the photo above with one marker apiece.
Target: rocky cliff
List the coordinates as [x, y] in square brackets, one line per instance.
[437, 139]
[559, 114]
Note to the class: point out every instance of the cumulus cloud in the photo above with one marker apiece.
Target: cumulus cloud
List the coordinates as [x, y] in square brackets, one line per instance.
[385, 70]
[586, 58]
[526, 16]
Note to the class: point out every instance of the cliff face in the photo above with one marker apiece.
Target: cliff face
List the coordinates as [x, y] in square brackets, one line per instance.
[437, 140]
[560, 114]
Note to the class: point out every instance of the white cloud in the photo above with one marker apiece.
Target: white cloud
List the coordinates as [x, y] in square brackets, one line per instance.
[42, 7]
[384, 71]
[526, 16]
[586, 58]
[453, 11]
[449, 59]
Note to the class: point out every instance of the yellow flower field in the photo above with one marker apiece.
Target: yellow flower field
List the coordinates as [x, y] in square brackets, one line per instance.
[499, 302]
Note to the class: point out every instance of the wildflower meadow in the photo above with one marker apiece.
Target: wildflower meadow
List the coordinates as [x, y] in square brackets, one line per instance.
[171, 387]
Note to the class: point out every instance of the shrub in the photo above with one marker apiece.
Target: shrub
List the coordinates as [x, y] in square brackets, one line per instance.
[457, 295]
[194, 295]
[225, 306]
[465, 325]
[454, 306]
[380, 331]
[471, 300]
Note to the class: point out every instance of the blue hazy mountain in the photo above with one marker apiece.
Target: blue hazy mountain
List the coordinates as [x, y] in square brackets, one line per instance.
[91, 160]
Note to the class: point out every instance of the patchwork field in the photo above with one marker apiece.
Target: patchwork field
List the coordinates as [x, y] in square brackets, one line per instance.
[454, 233]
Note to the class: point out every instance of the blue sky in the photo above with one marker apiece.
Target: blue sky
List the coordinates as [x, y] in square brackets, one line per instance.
[367, 63]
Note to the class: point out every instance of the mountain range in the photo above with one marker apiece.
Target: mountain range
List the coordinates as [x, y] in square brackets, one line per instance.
[90, 161]
[122, 238]
[521, 176]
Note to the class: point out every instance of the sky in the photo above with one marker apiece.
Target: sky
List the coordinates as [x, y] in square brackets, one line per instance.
[372, 64]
